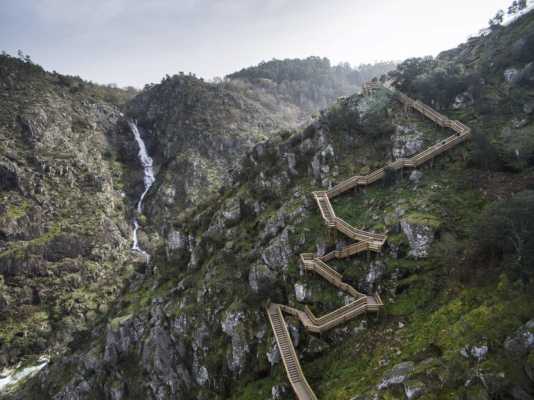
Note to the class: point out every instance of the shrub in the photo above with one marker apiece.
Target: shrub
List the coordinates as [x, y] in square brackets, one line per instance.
[506, 230]
[485, 155]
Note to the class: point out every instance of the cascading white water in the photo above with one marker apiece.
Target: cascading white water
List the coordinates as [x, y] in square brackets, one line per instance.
[148, 179]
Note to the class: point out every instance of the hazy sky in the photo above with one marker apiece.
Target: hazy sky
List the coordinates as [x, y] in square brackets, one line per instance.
[133, 42]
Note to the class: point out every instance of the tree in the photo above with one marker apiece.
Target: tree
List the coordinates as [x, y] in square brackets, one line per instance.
[497, 19]
[485, 155]
[517, 6]
[506, 229]
[408, 71]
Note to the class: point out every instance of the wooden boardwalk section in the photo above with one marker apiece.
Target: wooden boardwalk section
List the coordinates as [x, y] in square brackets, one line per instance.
[365, 242]
[289, 357]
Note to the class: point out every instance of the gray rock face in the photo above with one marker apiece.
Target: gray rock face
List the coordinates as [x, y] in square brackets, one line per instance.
[276, 254]
[273, 355]
[375, 272]
[320, 165]
[232, 211]
[176, 241]
[522, 341]
[76, 390]
[122, 333]
[528, 108]
[232, 325]
[291, 164]
[407, 141]
[413, 389]
[415, 176]
[420, 237]
[398, 374]
[260, 277]
[510, 74]
[177, 246]
[302, 293]
[8, 176]
[200, 348]
[462, 101]
[518, 123]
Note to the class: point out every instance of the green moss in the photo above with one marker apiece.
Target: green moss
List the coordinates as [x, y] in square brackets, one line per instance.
[15, 212]
[422, 219]
[115, 323]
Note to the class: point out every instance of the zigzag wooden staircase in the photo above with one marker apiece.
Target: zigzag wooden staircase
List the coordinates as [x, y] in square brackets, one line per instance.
[366, 241]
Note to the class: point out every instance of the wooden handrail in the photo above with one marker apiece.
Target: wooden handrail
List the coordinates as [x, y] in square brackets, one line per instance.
[462, 133]
[296, 376]
[367, 241]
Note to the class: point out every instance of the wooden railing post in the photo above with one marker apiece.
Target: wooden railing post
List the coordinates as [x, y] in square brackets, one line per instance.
[368, 242]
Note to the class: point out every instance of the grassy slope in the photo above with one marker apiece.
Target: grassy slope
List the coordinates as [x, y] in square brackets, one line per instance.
[73, 291]
[441, 310]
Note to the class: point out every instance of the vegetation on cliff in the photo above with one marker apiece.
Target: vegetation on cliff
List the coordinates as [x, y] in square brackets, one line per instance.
[456, 277]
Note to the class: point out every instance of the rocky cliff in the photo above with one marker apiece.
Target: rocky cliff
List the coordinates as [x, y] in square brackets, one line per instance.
[63, 216]
[456, 277]
[198, 131]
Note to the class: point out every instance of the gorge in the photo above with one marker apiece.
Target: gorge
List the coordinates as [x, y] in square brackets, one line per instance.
[158, 243]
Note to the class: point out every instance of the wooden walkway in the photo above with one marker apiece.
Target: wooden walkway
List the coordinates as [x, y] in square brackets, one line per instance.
[366, 241]
[290, 359]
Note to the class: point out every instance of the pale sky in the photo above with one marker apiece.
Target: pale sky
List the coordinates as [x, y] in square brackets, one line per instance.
[133, 42]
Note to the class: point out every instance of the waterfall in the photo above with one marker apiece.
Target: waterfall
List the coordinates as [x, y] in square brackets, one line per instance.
[148, 179]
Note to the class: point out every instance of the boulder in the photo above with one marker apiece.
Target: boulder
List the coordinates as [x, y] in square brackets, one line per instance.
[477, 353]
[420, 235]
[463, 101]
[528, 108]
[510, 74]
[302, 292]
[522, 341]
[518, 123]
[407, 141]
[273, 355]
[314, 346]
[415, 176]
[397, 375]
[413, 389]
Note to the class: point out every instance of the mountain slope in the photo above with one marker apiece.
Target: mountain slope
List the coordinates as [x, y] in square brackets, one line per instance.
[204, 129]
[63, 223]
[456, 277]
[312, 83]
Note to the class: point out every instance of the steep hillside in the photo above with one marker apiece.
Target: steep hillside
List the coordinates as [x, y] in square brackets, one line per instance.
[63, 222]
[204, 129]
[312, 83]
[455, 277]
[70, 177]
